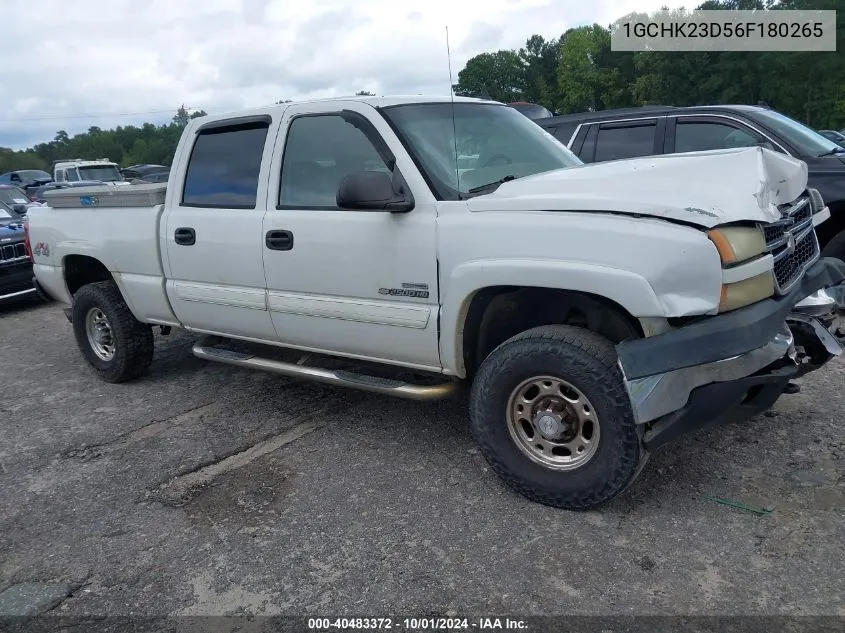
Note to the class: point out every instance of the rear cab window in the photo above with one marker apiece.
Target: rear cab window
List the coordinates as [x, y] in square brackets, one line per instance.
[224, 165]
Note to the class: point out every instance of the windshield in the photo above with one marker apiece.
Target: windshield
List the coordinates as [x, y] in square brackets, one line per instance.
[6, 213]
[807, 141]
[12, 196]
[103, 173]
[493, 143]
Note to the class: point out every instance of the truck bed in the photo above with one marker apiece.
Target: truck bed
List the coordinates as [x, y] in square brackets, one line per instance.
[119, 227]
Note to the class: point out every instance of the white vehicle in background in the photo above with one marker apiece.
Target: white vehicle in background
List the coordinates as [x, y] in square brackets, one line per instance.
[101, 169]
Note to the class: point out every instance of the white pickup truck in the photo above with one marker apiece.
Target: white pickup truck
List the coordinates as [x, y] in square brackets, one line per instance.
[598, 310]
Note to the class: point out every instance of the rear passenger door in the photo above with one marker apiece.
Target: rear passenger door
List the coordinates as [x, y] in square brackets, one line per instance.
[618, 140]
[212, 228]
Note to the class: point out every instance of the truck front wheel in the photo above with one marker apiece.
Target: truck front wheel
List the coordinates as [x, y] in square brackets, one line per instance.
[551, 414]
[112, 340]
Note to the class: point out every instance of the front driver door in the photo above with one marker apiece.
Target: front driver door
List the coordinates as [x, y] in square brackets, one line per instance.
[357, 283]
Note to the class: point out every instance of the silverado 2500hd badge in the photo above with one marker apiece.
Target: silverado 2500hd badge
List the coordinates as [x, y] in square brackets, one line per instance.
[419, 291]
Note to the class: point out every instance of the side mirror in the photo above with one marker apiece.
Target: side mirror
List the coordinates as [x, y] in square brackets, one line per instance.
[372, 191]
[20, 209]
[766, 145]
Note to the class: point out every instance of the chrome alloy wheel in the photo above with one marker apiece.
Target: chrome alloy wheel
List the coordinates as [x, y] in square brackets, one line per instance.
[99, 332]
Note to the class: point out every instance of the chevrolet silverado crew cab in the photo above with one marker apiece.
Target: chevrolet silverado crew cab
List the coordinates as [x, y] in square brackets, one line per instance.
[598, 311]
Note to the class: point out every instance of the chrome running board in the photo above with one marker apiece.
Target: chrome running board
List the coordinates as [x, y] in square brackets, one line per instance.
[342, 378]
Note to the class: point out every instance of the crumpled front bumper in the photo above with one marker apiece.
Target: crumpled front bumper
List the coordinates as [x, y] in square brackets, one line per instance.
[736, 363]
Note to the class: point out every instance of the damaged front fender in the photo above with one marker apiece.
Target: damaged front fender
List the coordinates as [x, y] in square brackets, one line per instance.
[662, 372]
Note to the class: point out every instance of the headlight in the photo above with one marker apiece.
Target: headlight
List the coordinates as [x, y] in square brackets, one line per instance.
[746, 292]
[738, 243]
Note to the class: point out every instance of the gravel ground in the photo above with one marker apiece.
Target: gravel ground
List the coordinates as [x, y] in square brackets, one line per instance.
[203, 489]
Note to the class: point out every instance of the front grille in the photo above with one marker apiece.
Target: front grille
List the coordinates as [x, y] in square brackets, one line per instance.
[12, 252]
[792, 242]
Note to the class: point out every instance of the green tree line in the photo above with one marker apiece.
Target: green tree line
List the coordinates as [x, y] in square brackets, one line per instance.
[579, 72]
[126, 145]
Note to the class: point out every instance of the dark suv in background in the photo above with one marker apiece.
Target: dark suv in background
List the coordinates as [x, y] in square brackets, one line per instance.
[649, 130]
[15, 259]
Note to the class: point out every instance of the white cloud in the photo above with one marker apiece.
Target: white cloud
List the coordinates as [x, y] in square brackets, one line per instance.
[120, 57]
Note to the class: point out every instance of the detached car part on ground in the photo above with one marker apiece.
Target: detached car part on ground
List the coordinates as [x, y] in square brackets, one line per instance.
[598, 310]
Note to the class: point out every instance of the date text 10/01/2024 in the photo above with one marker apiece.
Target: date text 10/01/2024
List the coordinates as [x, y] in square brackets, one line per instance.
[415, 624]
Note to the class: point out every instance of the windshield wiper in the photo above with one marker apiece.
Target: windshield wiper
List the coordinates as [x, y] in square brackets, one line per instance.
[835, 150]
[493, 185]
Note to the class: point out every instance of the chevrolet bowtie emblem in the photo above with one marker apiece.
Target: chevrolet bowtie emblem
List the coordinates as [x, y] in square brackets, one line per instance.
[790, 244]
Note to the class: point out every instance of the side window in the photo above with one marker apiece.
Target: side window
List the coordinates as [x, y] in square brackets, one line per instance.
[224, 166]
[319, 152]
[694, 136]
[628, 141]
[60, 175]
[72, 175]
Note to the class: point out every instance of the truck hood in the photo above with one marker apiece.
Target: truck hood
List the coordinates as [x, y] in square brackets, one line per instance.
[703, 188]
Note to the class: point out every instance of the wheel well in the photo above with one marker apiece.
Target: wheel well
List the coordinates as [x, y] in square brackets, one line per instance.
[834, 225]
[81, 269]
[498, 313]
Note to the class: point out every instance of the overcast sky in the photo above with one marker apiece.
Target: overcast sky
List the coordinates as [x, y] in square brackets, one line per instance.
[124, 60]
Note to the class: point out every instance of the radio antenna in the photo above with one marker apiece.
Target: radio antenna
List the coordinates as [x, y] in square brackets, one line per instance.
[452, 101]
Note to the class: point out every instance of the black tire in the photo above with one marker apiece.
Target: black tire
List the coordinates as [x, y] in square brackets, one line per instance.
[133, 341]
[588, 362]
[835, 247]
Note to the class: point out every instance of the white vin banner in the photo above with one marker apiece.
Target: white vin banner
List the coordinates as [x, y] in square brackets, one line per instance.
[680, 30]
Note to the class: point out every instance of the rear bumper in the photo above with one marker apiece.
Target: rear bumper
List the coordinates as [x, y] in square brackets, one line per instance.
[739, 362]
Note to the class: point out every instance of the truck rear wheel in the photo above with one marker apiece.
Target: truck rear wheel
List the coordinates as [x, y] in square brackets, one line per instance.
[112, 340]
[551, 414]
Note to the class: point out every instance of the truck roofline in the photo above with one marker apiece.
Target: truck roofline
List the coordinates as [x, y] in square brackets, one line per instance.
[375, 101]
